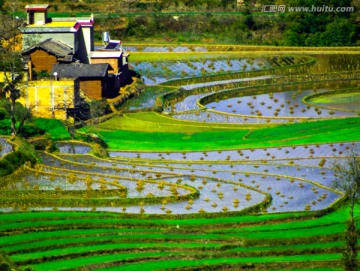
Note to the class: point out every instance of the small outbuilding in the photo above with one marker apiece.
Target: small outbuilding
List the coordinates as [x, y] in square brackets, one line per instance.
[42, 56]
[93, 78]
[118, 67]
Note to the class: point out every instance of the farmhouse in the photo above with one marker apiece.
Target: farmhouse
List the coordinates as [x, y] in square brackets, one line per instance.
[64, 48]
[77, 33]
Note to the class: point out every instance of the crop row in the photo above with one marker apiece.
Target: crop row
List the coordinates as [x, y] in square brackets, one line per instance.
[150, 97]
[231, 48]
[260, 104]
[222, 186]
[109, 243]
[289, 67]
[288, 185]
[165, 49]
[159, 72]
[284, 104]
[258, 154]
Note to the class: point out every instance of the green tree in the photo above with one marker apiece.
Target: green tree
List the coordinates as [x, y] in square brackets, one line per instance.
[21, 114]
[293, 38]
[339, 33]
[319, 28]
[5, 267]
[2, 6]
[11, 64]
[348, 181]
[228, 3]
[249, 21]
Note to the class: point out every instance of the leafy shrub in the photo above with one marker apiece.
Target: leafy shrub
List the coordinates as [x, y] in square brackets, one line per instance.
[93, 138]
[99, 151]
[25, 152]
[31, 130]
[52, 147]
[5, 127]
[43, 144]
[40, 75]
[18, 157]
[40, 144]
[5, 168]
[3, 114]
[5, 267]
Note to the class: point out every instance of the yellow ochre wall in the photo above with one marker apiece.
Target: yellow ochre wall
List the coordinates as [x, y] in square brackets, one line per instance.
[37, 96]
[42, 61]
[113, 62]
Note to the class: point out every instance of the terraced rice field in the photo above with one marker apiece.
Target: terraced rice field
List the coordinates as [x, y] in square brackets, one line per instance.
[208, 183]
[159, 72]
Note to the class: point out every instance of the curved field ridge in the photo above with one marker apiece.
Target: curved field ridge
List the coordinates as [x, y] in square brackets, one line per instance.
[234, 171]
[344, 101]
[258, 107]
[107, 241]
[154, 73]
[182, 183]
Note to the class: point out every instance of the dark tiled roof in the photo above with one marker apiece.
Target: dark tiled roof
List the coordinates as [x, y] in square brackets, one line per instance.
[51, 46]
[80, 70]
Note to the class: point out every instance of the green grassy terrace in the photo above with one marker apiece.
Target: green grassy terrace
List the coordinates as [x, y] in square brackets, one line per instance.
[154, 132]
[107, 241]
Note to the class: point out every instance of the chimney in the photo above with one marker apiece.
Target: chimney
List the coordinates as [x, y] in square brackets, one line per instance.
[37, 14]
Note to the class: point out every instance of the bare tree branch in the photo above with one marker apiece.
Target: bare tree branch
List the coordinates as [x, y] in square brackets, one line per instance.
[347, 174]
